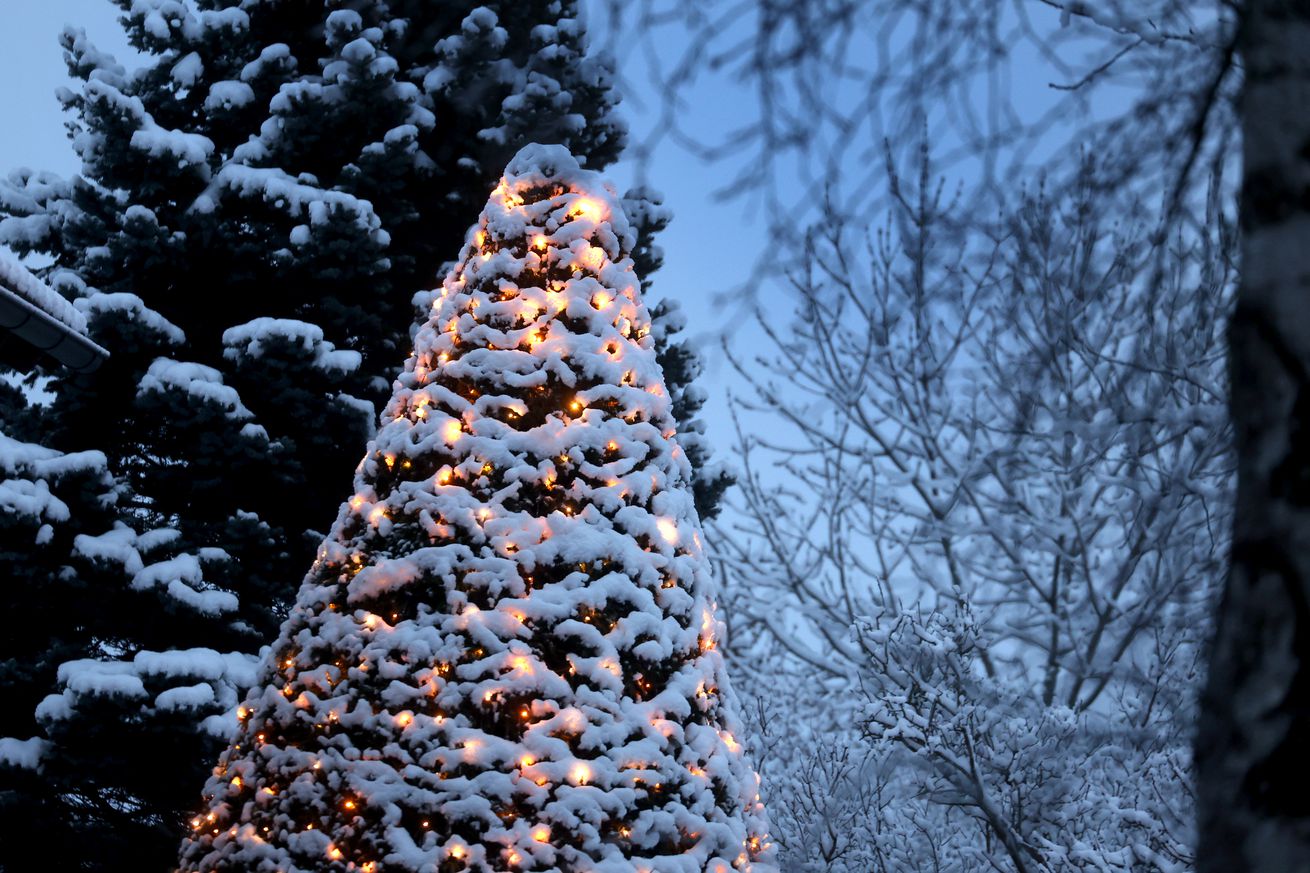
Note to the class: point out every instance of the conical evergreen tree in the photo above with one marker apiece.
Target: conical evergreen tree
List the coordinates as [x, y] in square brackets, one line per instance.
[505, 656]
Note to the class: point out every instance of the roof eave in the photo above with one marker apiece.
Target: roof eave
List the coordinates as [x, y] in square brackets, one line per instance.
[61, 342]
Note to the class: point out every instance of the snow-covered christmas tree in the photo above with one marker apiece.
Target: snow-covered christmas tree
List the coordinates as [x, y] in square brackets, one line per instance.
[506, 656]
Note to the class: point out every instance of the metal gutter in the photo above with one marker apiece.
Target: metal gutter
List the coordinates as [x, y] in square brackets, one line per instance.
[61, 342]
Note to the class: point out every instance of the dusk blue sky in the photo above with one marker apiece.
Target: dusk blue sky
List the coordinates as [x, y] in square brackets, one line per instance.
[709, 248]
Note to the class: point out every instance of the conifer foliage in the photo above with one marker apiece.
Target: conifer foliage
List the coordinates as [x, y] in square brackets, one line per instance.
[505, 656]
[257, 203]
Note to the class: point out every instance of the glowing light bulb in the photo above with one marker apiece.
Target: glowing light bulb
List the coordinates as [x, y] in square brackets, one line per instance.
[452, 430]
[668, 529]
[527, 761]
[540, 242]
[585, 207]
[541, 833]
[334, 853]
[457, 851]
[581, 774]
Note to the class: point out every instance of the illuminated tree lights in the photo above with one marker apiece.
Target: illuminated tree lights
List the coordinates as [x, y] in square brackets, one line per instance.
[505, 657]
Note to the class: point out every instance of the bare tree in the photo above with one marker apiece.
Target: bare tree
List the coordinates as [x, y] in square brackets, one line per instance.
[1005, 465]
[1004, 88]
[1154, 87]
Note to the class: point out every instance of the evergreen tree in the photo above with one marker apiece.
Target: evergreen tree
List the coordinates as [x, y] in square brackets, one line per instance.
[70, 778]
[505, 656]
[257, 205]
[48, 499]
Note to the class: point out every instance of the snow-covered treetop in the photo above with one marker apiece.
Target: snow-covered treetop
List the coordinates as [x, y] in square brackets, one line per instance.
[506, 656]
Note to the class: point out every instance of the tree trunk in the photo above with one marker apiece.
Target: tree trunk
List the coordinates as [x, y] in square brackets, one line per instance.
[1253, 745]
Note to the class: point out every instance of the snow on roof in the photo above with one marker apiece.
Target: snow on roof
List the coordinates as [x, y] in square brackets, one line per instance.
[32, 310]
[20, 280]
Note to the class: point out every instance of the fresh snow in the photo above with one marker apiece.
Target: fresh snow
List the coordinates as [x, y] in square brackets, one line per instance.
[250, 340]
[26, 472]
[22, 754]
[132, 308]
[182, 577]
[198, 680]
[203, 383]
[20, 280]
[228, 95]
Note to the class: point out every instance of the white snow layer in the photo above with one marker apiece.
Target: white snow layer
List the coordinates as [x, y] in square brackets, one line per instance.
[200, 680]
[132, 308]
[251, 339]
[22, 754]
[27, 471]
[203, 383]
[20, 280]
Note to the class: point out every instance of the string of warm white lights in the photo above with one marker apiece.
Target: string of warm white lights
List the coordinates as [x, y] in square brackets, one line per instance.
[505, 657]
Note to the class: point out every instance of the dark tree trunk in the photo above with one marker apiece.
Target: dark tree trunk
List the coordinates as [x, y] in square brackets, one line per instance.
[1253, 745]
